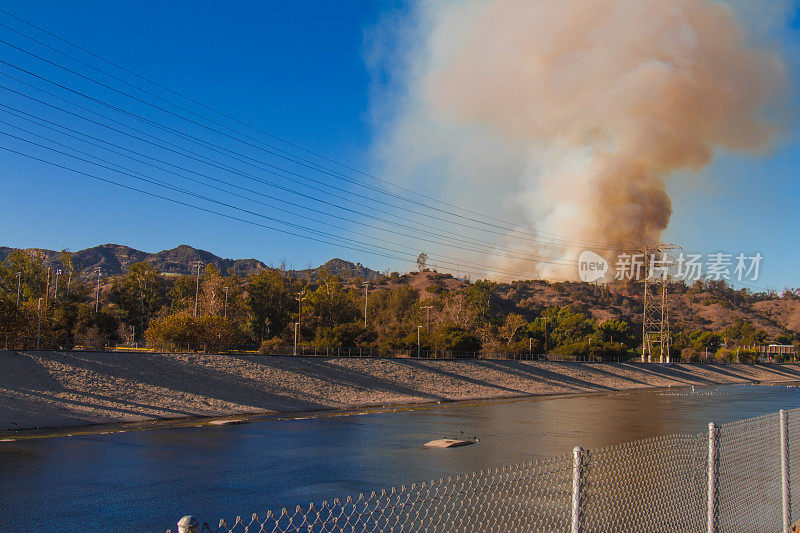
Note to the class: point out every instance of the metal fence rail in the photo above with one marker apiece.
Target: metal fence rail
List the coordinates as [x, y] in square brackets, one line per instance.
[305, 350]
[735, 477]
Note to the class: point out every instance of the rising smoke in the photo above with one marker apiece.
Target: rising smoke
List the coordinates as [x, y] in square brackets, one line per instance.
[573, 113]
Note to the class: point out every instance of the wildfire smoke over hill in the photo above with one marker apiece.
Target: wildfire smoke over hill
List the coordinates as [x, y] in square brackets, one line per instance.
[576, 111]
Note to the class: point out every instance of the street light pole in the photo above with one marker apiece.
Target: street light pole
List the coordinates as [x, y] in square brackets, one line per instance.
[428, 321]
[19, 285]
[197, 265]
[55, 291]
[47, 289]
[97, 294]
[299, 308]
[418, 328]
[225, 306]
[296, 328]
[39, 322]
[366, 293]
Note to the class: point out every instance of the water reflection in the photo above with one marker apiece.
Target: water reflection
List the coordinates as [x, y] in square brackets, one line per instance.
[150, 478]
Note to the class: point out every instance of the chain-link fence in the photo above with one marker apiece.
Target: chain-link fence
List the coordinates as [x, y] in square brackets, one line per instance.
[736, 477]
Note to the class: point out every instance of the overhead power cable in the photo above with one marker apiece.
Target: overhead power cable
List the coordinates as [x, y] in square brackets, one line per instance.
[490, 248]
[247, 198]
[317, 234]
[508, 226]
[273, 169]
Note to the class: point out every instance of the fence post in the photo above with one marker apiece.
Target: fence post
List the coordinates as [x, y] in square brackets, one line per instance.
[712, 478]
[577, 467]
[787, 502]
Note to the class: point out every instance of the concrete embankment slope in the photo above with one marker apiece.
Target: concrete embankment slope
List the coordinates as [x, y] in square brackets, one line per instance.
[57, 389]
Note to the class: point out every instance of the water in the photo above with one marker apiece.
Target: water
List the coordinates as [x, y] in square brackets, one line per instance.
[146, 480]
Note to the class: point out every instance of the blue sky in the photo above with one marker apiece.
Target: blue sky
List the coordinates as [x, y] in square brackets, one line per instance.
[292, 68]
[297, 70]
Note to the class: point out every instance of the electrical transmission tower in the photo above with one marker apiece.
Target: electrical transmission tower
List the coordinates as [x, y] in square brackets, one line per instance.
[655, 323]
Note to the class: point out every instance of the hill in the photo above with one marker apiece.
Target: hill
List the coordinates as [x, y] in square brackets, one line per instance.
[710, 306]
[115, 259]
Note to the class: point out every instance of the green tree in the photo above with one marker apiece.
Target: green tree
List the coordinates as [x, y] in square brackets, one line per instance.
[203, 333]
[331, 304]
[139, 295]
[744, 334]
[32, 275]
[456, 339]
[353, 334]
[182, 293]
[212, 291]
[422, 261]
[513, 325]
[618, 331]
[479, 298]
[270, 301]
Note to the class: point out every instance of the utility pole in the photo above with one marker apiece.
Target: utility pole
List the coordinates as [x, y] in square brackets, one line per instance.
[418, 328]
[69, 279]
[198, 265]
[300, 299]
[39, 323]
[428, 323]
[366, 293]
[19, 285]
[55, 291]
[47, 289]
[225, 306]
[97, 294]
[296, 329]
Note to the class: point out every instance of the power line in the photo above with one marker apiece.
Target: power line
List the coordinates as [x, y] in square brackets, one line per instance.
[321, 235]
[487, 248]
[514, 227]
[218, 148]
[105, 161]
[215, 148]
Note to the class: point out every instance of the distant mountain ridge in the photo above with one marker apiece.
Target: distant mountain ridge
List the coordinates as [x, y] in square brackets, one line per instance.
[116, 259]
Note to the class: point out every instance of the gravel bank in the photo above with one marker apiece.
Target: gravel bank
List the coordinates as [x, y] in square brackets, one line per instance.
[59, 389]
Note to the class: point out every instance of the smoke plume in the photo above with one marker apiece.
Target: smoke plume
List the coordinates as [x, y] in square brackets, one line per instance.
[573, 113]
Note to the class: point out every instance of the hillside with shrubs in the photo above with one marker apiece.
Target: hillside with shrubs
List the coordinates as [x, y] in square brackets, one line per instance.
[229, 311]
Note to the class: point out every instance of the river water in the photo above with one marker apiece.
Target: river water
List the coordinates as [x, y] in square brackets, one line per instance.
[146, 480]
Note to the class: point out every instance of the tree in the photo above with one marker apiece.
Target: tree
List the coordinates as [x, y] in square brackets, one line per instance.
[331, 304]
[619, 331]
[744, 334]
[139, 295]
[479, 298]
[353, 334]
[270, 302]
[212, 291]
[182, 293]
[12, 319]
[512, 325]
[33, 278]
[211, 331]
[456, 339]
[422, 261]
